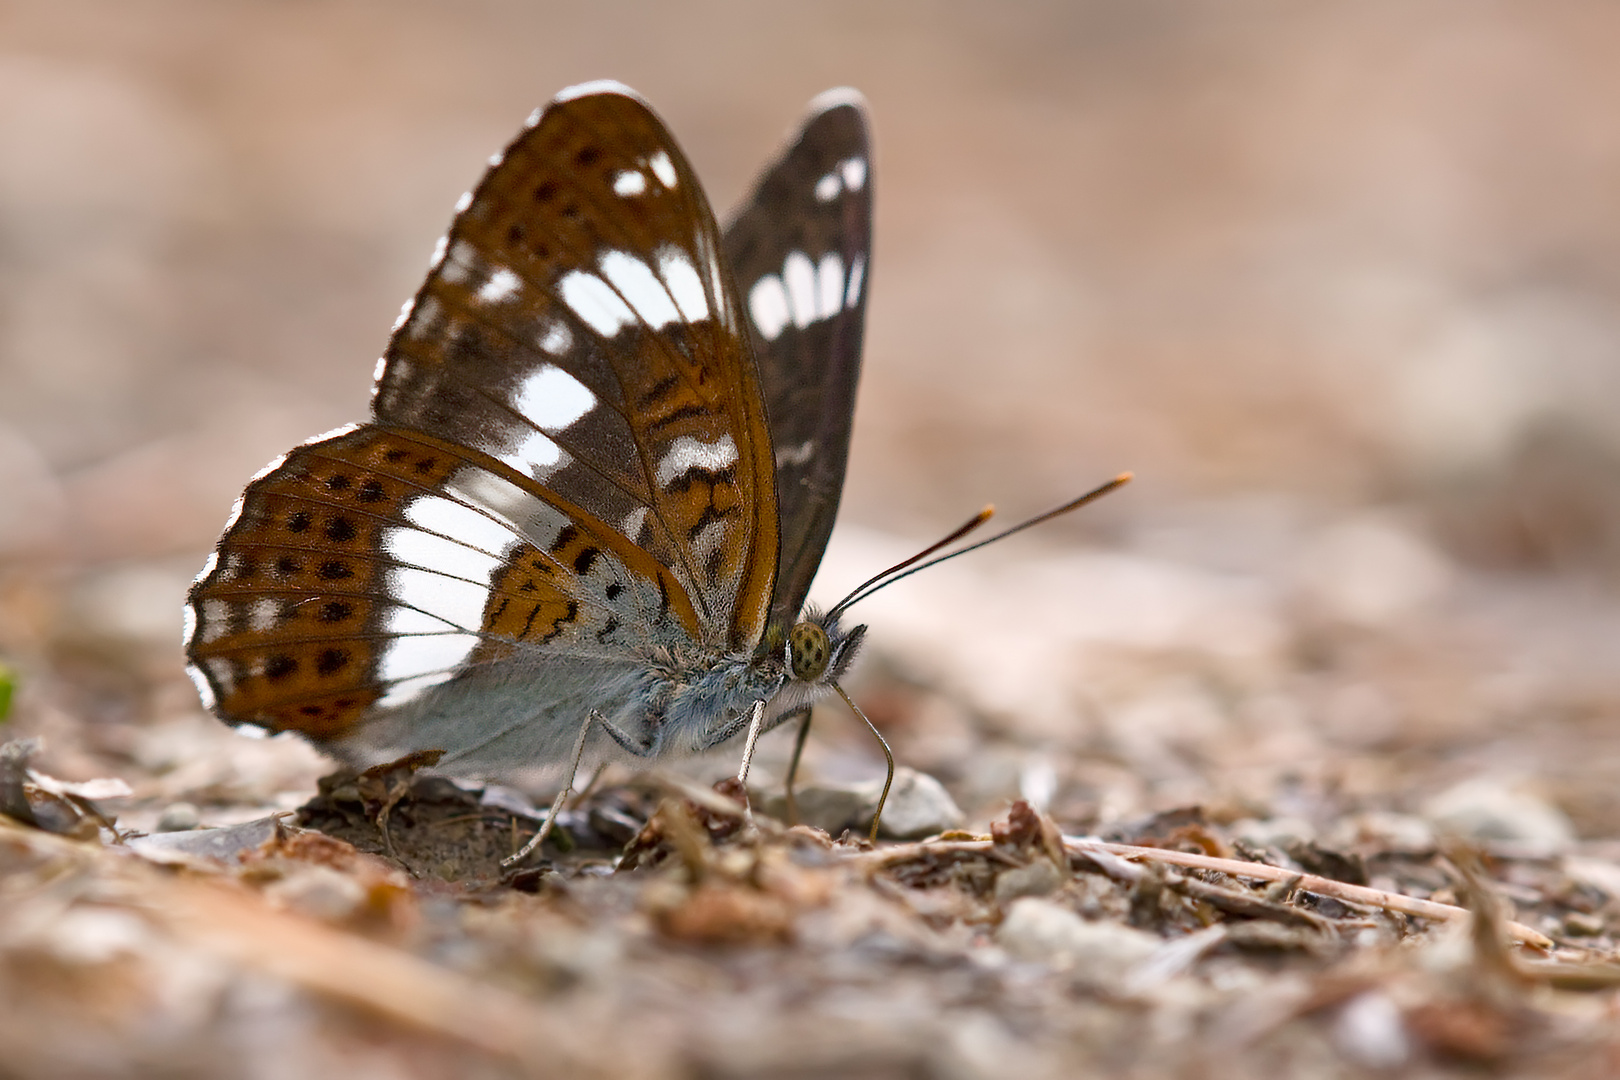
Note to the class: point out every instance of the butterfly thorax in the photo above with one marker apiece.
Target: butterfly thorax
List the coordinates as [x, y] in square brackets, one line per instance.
[709, 699]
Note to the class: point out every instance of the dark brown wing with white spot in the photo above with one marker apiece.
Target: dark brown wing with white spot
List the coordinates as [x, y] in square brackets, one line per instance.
[800, 249]
[579, 327]
[373, 565]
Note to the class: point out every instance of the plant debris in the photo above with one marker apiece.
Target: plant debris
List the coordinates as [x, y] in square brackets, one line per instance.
[1024, 928]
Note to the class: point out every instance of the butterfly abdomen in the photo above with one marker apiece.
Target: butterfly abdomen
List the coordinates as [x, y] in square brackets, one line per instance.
[711, 701]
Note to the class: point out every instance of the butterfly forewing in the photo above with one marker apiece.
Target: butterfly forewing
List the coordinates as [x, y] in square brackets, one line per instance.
[579, 327]
[568, 472]
[800, 251]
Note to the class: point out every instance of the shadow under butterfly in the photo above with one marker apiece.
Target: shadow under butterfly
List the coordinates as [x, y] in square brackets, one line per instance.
[606, 451]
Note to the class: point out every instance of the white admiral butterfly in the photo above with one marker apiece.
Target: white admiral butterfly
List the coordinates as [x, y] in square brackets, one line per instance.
[606, 450]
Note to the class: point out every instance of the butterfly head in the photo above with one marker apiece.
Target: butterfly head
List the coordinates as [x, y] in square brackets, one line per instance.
[818, 650]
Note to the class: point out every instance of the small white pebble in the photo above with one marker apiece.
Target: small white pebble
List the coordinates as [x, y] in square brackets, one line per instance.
[319, 892]
[1488, 809]
[1102, 953]
[1370, 1031]
[178, 817]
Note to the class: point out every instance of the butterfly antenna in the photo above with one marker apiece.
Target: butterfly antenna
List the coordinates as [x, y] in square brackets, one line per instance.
[950, 538]
[906, 569]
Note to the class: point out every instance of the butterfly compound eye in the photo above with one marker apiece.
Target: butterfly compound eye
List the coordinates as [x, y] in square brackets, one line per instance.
[807, 651]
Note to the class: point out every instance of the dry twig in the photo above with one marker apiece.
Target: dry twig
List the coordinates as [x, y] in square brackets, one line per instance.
[1107, 854]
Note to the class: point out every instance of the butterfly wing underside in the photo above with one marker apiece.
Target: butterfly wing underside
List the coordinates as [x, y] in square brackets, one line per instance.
[580, 327]
[568, 471]
[800, 250]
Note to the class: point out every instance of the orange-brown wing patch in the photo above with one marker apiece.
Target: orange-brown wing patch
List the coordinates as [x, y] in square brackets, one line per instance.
[286, 615]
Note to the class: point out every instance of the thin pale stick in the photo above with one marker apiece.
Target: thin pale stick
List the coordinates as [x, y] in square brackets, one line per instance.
[1087, 848]
[562, 797]
[888, 781]
[1356, 894]
[793, 769]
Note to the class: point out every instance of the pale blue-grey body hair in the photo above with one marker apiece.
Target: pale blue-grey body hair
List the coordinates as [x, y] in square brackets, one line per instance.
[516, 719]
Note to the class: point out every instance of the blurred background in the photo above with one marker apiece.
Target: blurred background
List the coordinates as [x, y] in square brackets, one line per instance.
[1340, 282]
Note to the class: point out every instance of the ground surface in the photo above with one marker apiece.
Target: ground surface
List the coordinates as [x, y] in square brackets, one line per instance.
[1338, 283]
[717, 948]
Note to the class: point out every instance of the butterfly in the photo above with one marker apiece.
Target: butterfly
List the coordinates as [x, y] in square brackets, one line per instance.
[606, 448]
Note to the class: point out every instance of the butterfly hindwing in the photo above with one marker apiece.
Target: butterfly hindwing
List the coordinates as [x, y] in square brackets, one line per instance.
[578, 325]
[370, 567]
[800, 250]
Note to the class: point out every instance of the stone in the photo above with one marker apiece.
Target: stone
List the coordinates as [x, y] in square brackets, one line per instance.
[918, 806]
[319, 892]
[1487, 809]
[1369, 1030]
[830, 808]
[1102, 954]
[1037, 879]
[178, 817]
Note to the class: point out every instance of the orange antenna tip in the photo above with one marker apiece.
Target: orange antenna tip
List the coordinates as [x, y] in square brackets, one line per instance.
[916, 562]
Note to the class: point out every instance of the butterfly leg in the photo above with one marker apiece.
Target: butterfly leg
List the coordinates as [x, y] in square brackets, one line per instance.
[627, 742]
[756, 724]
[590, 785]
[793, 765]
[562, 795]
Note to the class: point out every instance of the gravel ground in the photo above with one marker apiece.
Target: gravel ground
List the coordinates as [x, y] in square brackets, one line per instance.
[1296, 757]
